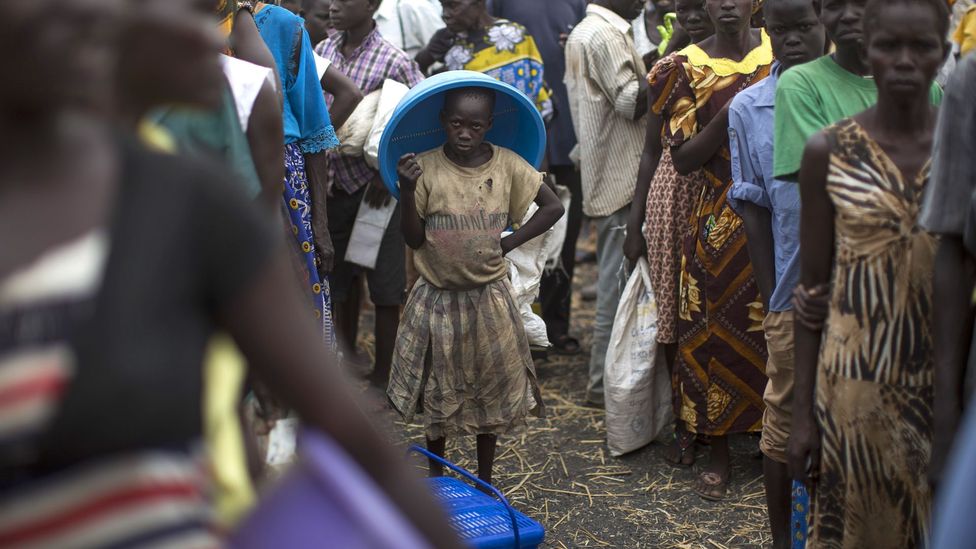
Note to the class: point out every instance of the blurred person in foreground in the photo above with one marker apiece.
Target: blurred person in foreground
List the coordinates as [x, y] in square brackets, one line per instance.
[770, 211]
[106, 368]
[862, 430]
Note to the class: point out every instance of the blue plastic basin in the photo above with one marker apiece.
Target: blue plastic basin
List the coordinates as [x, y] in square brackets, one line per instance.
[415, 126]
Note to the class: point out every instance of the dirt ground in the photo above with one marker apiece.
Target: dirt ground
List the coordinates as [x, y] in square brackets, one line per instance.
[561, 473]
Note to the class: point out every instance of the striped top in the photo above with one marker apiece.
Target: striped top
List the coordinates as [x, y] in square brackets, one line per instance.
[603, 81]
[131, 500]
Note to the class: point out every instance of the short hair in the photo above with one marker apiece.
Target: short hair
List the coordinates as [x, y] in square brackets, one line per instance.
[875, 7]
[816, 5]
[482, 94]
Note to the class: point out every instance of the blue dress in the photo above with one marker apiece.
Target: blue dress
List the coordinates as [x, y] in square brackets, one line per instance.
[308, 130]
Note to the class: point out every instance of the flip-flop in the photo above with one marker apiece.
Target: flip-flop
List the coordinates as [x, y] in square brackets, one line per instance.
[711, 486]
[567, 346]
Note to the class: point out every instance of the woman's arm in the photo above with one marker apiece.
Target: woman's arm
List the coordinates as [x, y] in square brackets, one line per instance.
[345, 93]
[265, 136]
[635, 246]
[694, 153]
[270, 323]
[816, 260]
[549, 212]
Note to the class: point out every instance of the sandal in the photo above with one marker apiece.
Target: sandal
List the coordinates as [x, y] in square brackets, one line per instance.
[567, 346]
[712, 486]
[681, 453]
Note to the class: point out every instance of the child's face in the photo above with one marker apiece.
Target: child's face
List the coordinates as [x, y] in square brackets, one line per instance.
[466, 120]
[795, 31]
[349, 14]
[842, 19]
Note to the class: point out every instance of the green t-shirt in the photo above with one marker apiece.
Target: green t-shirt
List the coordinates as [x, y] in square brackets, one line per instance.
[813, 96]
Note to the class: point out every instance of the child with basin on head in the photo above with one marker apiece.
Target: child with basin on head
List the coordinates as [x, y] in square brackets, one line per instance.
[462, 356]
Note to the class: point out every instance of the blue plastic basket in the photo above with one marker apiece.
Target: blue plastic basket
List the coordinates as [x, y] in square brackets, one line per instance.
[415, 125]
[480, 520]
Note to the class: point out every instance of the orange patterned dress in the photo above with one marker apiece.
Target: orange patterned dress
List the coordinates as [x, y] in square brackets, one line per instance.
[719, 376]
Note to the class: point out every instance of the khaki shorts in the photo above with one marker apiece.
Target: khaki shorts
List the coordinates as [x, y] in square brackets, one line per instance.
[778, 418]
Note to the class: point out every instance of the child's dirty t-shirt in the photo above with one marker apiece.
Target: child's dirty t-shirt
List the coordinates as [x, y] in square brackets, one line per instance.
[466, 210]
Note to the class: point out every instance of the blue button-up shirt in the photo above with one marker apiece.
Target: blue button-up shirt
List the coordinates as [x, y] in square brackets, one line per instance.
[751, 144]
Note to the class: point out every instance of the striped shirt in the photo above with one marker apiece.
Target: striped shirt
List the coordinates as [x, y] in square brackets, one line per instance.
[139, 499]
[603, 74]
[369, 65]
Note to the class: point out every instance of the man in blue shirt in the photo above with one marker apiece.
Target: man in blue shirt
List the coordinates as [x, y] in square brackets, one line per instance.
[770, 210]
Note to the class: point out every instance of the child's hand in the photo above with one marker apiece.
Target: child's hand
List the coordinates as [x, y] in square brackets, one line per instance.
[409, 171]
[507, 245]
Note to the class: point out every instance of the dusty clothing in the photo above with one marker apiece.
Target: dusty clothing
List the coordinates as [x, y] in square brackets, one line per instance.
[778, 418]
[874, 392]
[719, 375]
[466, 210]
[461, 352]
[464, 357]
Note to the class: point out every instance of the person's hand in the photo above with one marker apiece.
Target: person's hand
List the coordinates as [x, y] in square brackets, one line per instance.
[635, 246]
[803, 450]
[377, 194]
[409, 172]
[440, 43]
[811, 306]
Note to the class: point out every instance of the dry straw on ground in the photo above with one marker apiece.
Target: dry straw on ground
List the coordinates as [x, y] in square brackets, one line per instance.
[559, 472]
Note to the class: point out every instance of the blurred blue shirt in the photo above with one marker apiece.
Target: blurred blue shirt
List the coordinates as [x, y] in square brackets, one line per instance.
[751, 144]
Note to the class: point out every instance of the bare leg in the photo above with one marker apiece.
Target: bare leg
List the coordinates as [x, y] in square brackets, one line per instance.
[437, 448]
[486, 456]
[387, 324]
[778, 503]
[347, 320]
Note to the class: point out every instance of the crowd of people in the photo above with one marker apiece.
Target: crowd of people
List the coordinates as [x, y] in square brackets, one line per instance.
[181, 184]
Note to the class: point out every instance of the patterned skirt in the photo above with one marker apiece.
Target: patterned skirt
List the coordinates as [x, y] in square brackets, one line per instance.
[299, 207]
[876, 439]
[669, 204]
[462, 357]
[720, 374]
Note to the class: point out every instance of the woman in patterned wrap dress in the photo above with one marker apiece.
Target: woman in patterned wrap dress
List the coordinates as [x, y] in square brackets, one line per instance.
[719, 375]
[864, 379]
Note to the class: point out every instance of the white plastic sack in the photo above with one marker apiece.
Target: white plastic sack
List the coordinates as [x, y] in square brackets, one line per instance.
[525, 266]
[355, 132]
[390, 97]
[554, 244]
[637, 387]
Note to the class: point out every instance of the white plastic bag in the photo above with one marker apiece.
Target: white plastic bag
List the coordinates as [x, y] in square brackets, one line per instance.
[637, 387]
[525, 266]
[390, 97]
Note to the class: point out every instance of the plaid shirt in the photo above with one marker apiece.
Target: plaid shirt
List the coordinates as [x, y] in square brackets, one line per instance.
[373, 62]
